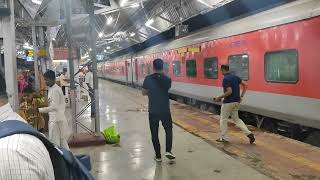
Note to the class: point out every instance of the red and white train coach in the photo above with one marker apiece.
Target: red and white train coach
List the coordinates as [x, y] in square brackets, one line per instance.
[276, 51]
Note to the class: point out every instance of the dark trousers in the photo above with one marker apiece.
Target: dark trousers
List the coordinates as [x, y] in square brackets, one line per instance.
[64, 90]
[166, 121]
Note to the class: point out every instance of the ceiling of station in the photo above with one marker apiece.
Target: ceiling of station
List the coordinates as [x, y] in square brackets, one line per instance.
[118, 26]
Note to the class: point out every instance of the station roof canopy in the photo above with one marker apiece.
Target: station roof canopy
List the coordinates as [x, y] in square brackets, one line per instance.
[118, 23]
[122, 24]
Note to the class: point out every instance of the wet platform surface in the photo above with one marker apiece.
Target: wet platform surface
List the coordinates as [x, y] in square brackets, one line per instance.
[133, 157]
[274, 155]
[198, 154]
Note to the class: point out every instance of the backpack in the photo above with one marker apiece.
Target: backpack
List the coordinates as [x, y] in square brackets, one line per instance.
[66, 166]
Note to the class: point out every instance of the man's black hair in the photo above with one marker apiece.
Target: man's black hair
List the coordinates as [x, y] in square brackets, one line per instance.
[225, 67]
[3, 89]
[158, 64]
[50, 75]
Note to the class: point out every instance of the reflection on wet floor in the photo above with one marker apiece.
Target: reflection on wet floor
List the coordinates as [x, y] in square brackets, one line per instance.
[132, 159]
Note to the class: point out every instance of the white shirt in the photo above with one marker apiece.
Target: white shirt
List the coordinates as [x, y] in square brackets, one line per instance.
[89, 79]
[62, 78]
[57, 106]
[23, 156]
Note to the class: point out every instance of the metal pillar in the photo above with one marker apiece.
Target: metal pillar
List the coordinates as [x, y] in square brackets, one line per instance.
[10, 61]
[49, 41]
[71, 66]
[35, 57]
[41, 42]
[92, 43]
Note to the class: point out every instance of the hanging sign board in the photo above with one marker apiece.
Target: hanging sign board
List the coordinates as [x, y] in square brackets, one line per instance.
[4, 8]
[29, 53]
[42, 52]
[62, 53]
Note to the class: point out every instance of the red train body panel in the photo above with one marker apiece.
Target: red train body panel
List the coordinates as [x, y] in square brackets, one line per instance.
[302, 36]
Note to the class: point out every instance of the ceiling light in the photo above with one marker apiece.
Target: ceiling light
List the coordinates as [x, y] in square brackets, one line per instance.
[149, 22]
[123, 2]
[100, 34]
[84, 57]
[135, 5]
[109, 20]
[53, 39]
[90, 49]
[205, 3]
[38, 2]
[108, 47]
[154, 28]
[132, 34]
[104, 51]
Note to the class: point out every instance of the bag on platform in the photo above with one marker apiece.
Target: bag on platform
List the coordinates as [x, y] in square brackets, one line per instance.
[66, 166]
[111, 135]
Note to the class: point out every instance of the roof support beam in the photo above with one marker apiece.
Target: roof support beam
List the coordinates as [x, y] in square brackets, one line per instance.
[42, 22]
[115, 7]
[166, 19]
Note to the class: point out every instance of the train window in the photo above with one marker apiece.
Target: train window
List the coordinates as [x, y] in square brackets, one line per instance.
[166, 68]
[281, 66]
[211, 68]
[176, 68]
[239, 65]
[191, 68]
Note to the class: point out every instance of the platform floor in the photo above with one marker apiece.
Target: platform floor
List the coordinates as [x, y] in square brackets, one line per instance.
[132, 159]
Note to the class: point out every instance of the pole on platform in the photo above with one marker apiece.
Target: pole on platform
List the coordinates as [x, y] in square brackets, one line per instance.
[10, 61]
[92, 42]
[71, 65]
[35, 57]
[41, 42]
[49, 41]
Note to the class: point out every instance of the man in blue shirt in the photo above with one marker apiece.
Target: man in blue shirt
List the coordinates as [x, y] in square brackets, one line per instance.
[156, 86]
[231, 103]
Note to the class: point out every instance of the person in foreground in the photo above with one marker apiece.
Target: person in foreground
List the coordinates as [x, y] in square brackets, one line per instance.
[231, 103]
[22, 156]
[156, 86]
[56, 110]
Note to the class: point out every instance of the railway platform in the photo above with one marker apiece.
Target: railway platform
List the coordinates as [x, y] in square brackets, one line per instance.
[199, 156]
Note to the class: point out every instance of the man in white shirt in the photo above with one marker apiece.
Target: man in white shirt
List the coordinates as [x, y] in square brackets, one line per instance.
[22, 156]
[64, 80]
[56, 109]
[89, 82]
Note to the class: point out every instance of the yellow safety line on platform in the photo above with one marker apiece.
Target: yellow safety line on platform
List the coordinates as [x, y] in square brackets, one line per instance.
[285, 154]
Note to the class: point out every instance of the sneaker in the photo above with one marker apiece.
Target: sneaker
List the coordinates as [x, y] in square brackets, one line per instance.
[221, 140]
[251, 138]
[157, 159]
[170, 156]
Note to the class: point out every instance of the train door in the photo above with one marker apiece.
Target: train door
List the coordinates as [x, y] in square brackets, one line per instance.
[126, 70]
[135, 69]
[129, 72]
